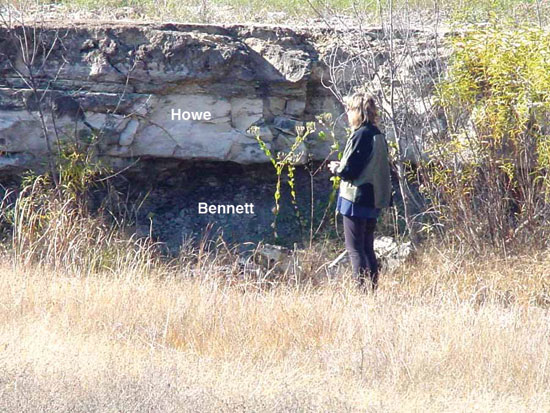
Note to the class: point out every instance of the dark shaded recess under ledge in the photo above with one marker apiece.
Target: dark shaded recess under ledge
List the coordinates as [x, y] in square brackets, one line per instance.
[173, 189]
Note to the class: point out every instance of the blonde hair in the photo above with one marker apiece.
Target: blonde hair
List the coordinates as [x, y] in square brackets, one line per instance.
[361, 108]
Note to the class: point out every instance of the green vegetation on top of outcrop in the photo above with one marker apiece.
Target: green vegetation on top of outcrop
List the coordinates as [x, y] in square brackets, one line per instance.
[295, 11]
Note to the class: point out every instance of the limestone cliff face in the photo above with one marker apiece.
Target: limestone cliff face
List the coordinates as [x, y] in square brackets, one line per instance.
[124, 82]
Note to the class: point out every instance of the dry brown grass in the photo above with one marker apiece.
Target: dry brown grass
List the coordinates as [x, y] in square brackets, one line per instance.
[440, 335]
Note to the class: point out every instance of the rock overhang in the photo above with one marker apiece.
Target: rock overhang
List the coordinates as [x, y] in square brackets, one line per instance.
[128, 78]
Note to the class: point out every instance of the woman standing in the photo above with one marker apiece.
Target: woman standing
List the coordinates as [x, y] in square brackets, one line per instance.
[365, 185]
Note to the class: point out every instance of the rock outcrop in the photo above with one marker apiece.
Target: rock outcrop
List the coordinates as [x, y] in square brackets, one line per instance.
[180, 98]
[181, 91]
[190, 91]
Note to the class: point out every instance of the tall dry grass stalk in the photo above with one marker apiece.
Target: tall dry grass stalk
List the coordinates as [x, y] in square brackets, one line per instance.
[55, 229]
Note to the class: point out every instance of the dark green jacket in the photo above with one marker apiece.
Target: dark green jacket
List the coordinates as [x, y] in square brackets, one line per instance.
[365, 168]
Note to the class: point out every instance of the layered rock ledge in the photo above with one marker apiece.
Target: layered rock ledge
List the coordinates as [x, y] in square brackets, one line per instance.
[122, 81]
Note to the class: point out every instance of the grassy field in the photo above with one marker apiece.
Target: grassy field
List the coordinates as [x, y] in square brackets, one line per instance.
[90, 322]
[289, 11]
[441, 335]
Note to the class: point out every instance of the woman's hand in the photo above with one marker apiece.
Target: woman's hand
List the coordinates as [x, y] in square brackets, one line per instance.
[333, 165]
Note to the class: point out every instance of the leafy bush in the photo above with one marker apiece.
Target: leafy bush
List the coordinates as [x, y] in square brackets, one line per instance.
[490, 176]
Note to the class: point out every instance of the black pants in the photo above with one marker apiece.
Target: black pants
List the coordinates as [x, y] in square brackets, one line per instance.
[359, 237]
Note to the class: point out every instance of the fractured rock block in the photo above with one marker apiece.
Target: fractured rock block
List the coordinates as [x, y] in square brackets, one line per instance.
[245, 112]
[276, 105]
[295, 107]
[128, 134]
[286, 125]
